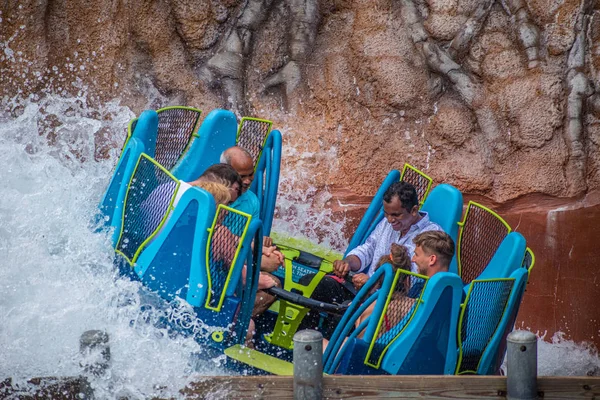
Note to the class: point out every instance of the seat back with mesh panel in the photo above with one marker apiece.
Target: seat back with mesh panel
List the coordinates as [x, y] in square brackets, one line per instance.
[225, 241]
[170, 134]
[148, 201]
[176, 130]
[414, 333]
[484, 307]
[367, 297]
[482, 231]
[402, 302]
[252, 135]
[418, 179]
[165, 136]
[487, 308]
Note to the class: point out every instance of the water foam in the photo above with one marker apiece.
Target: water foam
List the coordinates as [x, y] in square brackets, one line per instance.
[57, 276]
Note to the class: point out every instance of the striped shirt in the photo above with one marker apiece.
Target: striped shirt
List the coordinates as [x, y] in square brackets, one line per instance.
[379, 242]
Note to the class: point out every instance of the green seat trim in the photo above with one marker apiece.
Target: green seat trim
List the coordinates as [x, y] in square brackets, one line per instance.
[529, 261]
[260, 360]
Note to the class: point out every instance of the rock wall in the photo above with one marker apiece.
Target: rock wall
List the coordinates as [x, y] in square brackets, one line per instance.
[497, 97]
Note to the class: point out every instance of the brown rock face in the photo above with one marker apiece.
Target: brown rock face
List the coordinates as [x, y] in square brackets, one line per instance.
[497, 97]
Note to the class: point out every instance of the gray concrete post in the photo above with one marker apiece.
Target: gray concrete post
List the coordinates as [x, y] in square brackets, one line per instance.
[521, 366]
[95, 351]
[308, 365]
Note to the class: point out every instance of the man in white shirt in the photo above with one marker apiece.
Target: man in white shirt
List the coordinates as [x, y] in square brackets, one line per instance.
[402, 222]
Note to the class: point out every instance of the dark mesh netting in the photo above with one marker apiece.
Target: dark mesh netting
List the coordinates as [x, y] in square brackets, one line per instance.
[131, 128]
[405, 297]
[175, 129]
[223, 248]
[483, 311]
[148, 197]
[479, 239]
[419, 181]
[528, 259]
[252, 136]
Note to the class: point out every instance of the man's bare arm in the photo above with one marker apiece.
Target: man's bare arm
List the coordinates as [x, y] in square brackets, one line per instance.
[342, 267]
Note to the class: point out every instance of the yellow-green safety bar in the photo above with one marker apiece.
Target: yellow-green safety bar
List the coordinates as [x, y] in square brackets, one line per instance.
[290, 315]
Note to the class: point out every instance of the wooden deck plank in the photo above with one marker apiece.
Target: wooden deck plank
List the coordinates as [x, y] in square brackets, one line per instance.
[334, 387]
[397, 387]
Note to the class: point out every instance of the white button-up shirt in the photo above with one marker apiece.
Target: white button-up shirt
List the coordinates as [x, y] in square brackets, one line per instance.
[380, 241]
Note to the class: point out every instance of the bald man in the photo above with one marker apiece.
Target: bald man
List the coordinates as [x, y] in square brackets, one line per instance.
[242, 162]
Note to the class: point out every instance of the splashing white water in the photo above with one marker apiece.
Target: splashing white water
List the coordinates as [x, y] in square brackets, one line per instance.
[57, 278]
[299, 197]
[563, 357]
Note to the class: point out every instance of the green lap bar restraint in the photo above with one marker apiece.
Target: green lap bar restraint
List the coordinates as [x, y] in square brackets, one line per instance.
[290, 315]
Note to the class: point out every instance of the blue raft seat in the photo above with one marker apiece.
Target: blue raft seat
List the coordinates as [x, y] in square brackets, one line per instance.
[407, 333]
[490, 308]
[187, 250]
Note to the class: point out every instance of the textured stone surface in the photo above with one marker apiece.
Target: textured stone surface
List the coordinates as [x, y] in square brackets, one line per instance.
[357, 88]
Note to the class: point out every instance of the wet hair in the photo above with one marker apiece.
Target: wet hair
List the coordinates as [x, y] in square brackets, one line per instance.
[399, 258]
[224, 174]
[218, 191]
[438, 243]
[406, 193]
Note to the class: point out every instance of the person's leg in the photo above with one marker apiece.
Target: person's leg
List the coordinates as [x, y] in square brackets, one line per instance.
[250, 335]
[264, 299]
[328, 291]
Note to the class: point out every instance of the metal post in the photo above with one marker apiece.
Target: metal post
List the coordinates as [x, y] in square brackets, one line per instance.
[308, 365]
[95, 350]
[521, 360]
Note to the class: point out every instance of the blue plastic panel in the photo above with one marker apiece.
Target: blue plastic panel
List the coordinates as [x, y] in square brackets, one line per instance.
[216, 134]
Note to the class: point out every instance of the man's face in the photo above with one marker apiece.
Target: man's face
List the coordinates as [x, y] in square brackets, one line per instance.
[400, 219]
[245, 167]
[422, 260]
